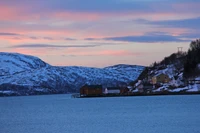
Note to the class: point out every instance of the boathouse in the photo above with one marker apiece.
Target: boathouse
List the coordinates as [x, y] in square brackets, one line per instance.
[91, 90]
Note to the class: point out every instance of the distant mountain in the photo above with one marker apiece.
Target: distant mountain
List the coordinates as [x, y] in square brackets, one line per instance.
[27, 75]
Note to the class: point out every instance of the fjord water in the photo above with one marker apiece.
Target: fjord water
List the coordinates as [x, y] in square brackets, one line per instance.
[63, 114]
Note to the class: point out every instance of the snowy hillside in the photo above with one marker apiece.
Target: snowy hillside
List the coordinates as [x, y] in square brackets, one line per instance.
[24, 75]
[16, 63]
[177, 82]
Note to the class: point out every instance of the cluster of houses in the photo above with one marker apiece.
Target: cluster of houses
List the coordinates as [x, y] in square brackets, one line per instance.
[142, 86]
[152, 82]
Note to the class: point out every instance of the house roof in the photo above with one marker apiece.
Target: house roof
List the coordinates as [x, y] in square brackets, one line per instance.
[160, 74]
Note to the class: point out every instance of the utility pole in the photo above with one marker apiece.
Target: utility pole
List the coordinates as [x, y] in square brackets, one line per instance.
[180, 49]
[179, 52]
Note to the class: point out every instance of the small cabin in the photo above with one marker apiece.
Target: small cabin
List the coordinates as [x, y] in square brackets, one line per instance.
[91, 90]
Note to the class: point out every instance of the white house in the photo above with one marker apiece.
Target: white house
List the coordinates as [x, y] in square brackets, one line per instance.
[112, 90]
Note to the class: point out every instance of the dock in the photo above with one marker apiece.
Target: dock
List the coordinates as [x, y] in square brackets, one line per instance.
[135, 94]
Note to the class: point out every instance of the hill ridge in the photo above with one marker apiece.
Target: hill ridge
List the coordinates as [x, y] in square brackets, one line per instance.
[25, 75]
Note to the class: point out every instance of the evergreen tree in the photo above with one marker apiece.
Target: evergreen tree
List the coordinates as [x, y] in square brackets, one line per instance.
[193, 59]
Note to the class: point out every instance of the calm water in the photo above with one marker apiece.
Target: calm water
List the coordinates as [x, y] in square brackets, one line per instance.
[62, 114]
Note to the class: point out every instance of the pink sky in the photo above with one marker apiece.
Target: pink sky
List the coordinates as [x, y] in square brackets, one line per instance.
[97, 34]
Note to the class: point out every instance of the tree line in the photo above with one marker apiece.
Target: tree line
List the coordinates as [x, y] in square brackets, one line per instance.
[192, 62]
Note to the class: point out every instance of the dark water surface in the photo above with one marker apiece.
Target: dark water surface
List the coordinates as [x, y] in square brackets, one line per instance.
[63, 114]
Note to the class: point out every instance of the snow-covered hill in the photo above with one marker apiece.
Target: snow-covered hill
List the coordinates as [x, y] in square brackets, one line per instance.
[24, 75]
[15, 63]
[177, 82]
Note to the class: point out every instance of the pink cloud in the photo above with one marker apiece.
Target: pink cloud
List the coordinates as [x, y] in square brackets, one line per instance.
[116, 53]
[12, 40]
[74, 52]
[21, 13]
[106, 29]
[77, 16]
[174, 31]
[104, 53]
[16, 13]
[33, 52]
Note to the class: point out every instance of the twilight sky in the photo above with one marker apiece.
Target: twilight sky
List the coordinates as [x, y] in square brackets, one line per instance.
[98, 33]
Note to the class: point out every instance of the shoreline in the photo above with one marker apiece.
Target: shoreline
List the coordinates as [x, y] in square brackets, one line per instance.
[140, 94]
[77, 95]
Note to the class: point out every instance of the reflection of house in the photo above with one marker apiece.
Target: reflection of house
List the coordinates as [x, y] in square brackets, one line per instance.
[116, 90]
[160, 78]
[91, 90]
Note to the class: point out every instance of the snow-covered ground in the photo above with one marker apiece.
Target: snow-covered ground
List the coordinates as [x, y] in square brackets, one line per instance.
[163, 88]
[194, 88]
[173, 72]
[63, 114]
[191, 88]
[179, 89]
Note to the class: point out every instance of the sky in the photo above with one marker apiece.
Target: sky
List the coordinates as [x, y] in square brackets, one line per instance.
[98, 33]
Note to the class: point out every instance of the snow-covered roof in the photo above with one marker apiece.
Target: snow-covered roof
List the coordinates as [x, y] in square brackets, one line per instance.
[160, 74]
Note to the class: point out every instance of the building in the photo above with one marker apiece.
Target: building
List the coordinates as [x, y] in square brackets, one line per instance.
[143, 87]
[112, 90]
[116, 90]
[160, 78]
[91, 90]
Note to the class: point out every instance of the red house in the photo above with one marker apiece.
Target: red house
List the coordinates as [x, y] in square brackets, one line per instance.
[91, 90]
